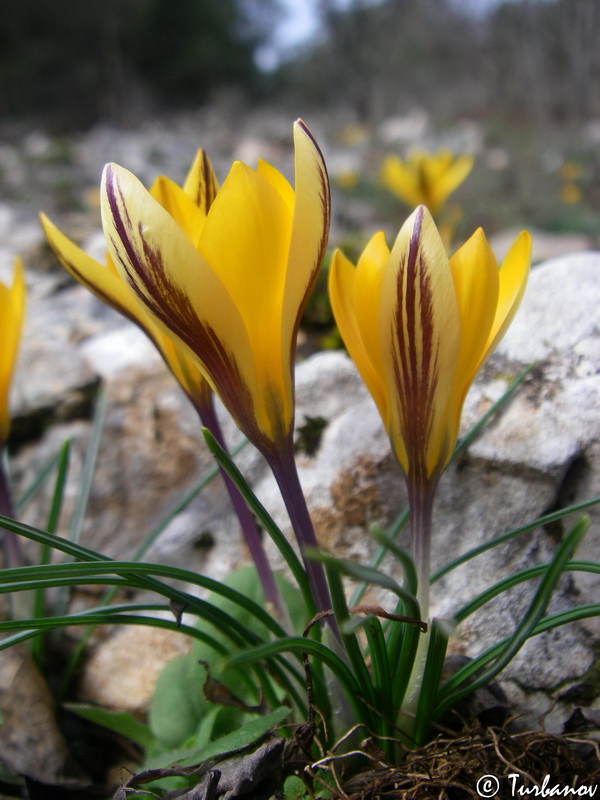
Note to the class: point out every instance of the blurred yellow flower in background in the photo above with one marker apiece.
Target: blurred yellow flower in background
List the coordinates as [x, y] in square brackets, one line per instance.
[425, 178]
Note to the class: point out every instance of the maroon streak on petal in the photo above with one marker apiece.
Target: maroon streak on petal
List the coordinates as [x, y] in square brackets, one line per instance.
[210, 187]
[172, 306]
[416, 371]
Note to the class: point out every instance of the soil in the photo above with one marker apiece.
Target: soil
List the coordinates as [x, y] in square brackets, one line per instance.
[486, 763]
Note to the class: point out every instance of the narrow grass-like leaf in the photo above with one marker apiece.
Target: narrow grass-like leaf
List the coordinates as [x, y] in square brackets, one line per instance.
[548, 623]
[432, 673]
[113, 615]
[513, 580]
[368, 575]
[449, 695]
[22, 502]
[505, 537]
[382, 681]
[350, 641]
[392, 533]
[299, 644]
[473, 432]
[402, 555]
[226, 463]
[89, 467]
[39, 598]
[141, 574]
[85, 483]
[403, 643]
[134, 572]
[138, 576]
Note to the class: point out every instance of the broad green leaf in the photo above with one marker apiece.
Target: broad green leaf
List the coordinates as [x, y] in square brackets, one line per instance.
[178, 703]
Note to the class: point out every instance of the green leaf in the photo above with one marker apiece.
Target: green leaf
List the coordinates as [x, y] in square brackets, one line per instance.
[120, 722]
[406, 561]
[249, 733]
[32, 490]
[178, 703]
[450, 695]
[432, 673]
[484, 419]
[537, 523]
[519, 577]
[369, 575]
[226, 462]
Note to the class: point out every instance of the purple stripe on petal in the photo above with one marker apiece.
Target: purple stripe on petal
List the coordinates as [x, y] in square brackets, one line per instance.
[172, 306]
[209, 188]
[416, 370]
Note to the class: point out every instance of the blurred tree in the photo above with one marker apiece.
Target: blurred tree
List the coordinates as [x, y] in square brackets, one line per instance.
[531, 60]
[186, 50]
[544, 59]
[72, 62]
[380, 57]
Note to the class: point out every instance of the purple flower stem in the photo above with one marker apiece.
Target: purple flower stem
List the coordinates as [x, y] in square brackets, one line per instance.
[208, 417]
[13, 554]
[284, 469]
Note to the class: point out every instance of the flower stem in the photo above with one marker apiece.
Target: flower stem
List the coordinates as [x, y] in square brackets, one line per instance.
[283, 464]
[421, 495]
[208, 417]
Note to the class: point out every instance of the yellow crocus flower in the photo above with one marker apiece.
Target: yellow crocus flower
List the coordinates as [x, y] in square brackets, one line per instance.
[12, 311]
[419, 326]
[425, 178]
[230, 287]
[188, 206]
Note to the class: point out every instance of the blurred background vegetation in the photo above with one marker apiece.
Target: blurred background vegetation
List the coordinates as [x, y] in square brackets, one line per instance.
[526, 71]
[75, 63]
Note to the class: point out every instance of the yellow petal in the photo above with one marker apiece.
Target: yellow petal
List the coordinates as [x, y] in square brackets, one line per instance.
[188, 216]
[105, 282]
[246, 241]
[420, 335]
[102, 280]
[370, 271]
[279, 182]
[201, 184]
[180, 291]
[514, 273]
[476, 282]
[310, 230]
[345, 305]
[12, 311]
